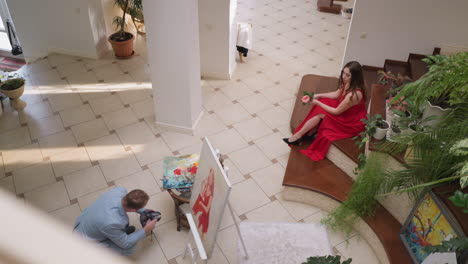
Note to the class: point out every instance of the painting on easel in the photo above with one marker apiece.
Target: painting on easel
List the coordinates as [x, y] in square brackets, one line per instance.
[209, 196]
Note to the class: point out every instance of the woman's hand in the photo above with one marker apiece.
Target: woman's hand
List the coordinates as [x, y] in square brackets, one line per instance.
[314, 101]
[316, 96]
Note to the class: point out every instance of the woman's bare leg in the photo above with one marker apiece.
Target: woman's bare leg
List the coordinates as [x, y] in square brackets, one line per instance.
[310, 124]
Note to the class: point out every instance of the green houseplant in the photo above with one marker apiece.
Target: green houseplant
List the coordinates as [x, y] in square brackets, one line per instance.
[136, 13]
[13, 87]
[122, 41]
[444, 85]
[327, 260]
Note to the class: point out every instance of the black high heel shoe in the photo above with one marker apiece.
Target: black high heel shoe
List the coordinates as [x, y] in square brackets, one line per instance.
[294, 143]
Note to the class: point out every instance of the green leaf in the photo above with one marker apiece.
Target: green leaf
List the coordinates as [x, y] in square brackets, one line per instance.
[456, 244]
[464, 181]
[327, 260]
[460, 199]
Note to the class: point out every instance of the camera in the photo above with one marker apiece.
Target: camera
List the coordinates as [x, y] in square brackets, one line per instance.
[148, 215]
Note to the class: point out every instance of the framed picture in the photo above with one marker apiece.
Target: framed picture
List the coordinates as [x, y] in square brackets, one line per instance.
[428, 224]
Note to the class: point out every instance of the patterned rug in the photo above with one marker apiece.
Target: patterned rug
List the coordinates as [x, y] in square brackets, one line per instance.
[11, 64]
[282, 243]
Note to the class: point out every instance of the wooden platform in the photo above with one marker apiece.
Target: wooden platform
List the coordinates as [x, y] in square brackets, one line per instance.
[325, 178]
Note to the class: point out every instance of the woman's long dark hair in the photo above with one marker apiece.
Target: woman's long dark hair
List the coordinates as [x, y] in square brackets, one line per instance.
[357, 79]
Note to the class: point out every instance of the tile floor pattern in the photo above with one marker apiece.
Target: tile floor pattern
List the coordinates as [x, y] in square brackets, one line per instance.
[89, 127]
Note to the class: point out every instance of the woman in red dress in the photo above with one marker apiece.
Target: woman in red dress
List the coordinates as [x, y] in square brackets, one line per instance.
[339, 113]
[202, 205]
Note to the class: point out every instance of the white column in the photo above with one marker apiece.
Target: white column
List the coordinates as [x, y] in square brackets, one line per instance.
[218, 33]
[174, 58]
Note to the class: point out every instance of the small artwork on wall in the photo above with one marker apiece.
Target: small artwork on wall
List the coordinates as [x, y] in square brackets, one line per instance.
[428, 224]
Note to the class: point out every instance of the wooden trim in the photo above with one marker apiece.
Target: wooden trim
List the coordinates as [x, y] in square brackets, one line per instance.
[371, 68]
[436, 51]
[396, 62]
[416, 56]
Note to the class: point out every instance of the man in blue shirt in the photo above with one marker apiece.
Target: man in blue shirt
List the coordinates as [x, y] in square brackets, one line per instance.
[106, 220]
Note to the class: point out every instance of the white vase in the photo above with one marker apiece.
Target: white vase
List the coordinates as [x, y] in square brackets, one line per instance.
[381, 132]
[433, 110]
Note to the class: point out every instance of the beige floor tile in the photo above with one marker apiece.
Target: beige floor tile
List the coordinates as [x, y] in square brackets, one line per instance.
[93, 91]
[103, 147]
[106, 104]
[149, 252]
[55, 59]
[253, 129]
[119, 165]
[227, 241]
[208, 125]
[288, 105]
[256, 103]
[271, 212]
[63, 101]
[216, 100]
[195, 148]
[272, 145]
[135, 134]
[172, 242]
[57, 143]
[71, 69]
[277, 93]
[157, 169]
[21, 157]
[14, 138]
[237, 90]
[67, 215]
[45, 126]
[70, 161]
[9, 120]
[49, 198]
[84, 182]
[89, 130]
[249, 159]
[232, 114]
[270, 179]
[151, 122]
[297, 210]
[359, 250]
[177, 141]
[234, 175]
[82, 80]
[283, 160]
[8, 185]
[163, 203]
[86, 200]
[35, 111]
[142, 180]
[216, 257]
[247, 196]
[258, 82]
[76, 115]
[134, 95]
[228, 141]
[119, 118]
[143, 108]
[34, 176]
[107, 72]
[151, 152]
[275, 117]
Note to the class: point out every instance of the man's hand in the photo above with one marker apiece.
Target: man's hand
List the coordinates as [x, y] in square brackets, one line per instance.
[150, 225]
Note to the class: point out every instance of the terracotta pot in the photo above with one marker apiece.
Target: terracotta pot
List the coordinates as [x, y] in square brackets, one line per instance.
[122, 49]
[14, 95]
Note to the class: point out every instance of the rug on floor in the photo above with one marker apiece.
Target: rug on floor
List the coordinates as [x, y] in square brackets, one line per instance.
[282, 243]
[11, 64]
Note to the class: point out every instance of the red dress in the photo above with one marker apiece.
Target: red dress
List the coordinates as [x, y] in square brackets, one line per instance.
[203, 199]
[334, 127]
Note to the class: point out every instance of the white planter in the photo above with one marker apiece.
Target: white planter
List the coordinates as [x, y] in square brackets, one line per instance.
[381, 132]
[432, 110]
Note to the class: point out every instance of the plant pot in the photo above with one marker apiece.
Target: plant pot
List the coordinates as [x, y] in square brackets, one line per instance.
[14, 95]
[433, 110]
[392, 133]
[381, 132]
[122, 49]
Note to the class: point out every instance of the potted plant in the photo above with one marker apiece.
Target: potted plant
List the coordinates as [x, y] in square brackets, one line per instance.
[122, 41]
[13, 87]
[327, 260]
[444, 85]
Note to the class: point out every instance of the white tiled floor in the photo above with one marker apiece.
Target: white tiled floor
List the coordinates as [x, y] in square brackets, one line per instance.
[89, 125]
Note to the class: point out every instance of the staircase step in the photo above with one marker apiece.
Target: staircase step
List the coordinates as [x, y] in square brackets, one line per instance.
[328, 6]
[397, 67]
[417, 67]
[370, 77]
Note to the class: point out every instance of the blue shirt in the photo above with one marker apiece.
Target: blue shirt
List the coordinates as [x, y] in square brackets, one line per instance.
[106, 219]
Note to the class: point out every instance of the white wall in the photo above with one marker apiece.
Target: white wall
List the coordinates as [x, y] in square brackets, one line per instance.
[72, 27]
[399, 27]
[215, 38]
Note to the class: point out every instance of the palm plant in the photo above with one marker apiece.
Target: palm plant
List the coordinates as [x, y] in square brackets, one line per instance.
[127, 6]
[446, 81]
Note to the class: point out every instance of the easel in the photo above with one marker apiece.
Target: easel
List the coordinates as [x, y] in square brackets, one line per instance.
[196, 236]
